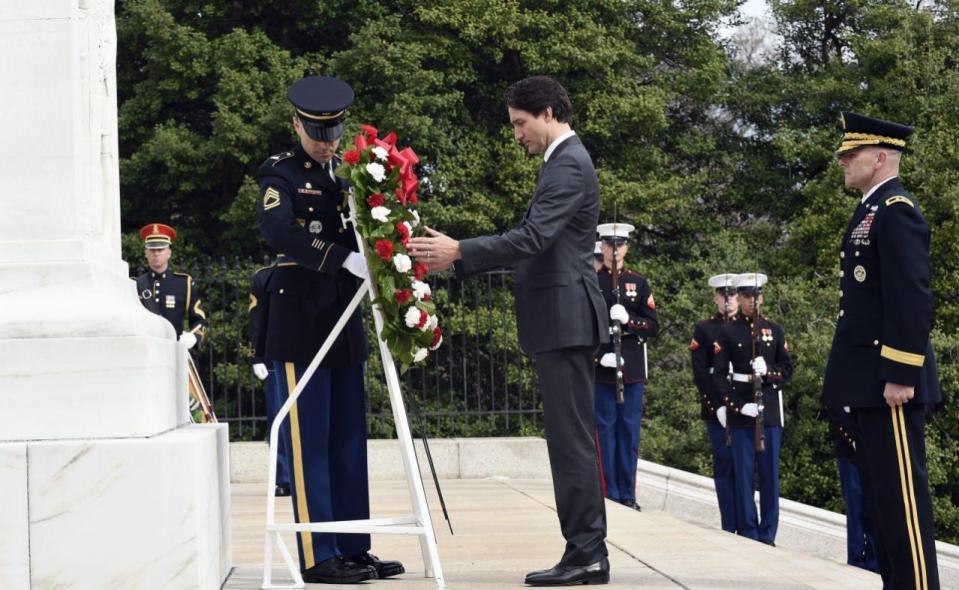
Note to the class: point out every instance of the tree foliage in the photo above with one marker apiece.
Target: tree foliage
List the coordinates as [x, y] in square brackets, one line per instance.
[724, 164]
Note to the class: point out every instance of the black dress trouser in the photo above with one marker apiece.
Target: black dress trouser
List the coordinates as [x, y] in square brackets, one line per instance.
[569, 414]
[892, 444]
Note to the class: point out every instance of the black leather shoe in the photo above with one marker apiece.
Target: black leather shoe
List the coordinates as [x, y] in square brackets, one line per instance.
[282, 489]
[571, 575]
[337, 570]
[384, 569]
[631, 504]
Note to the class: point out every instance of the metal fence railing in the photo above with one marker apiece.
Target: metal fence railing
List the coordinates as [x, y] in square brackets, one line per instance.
[477, 384]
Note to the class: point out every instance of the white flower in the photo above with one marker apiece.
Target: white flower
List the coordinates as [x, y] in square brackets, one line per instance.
[380, 214]
[421, 290]
[402, 262]
[438, 343]
[416, 217]
[420, 355]
[432, 322]
[381, 154]
[377, 171]
[412, 317]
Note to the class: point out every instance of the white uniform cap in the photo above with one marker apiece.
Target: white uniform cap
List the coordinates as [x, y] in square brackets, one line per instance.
[722, 281]
[598, 248]
[614, 230]
[750, 280]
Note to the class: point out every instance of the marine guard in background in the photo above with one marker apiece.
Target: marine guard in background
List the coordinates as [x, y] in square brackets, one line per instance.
[167, 293]
[618, 424]
[881, 365]
[756, 350]
[318, 272]
[705, 336]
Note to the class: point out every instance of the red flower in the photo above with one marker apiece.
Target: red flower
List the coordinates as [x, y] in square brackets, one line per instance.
[419, 271]
[404, 232]
[351, 157]
[375, 200]
[384, 249]
[402, 295]
[424, 317]
[390, 138]
[437, 337]
[430, 298]
[370, 131]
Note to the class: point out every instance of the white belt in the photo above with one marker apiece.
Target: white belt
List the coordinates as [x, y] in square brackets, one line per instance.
[742, 377]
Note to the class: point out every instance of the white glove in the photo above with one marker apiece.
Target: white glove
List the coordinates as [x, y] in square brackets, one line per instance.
[618, 312]
[188, 339]
[759, 366]
[356, 264]
[721, 416]
[261, 372]
[750, 409]
[609, 360]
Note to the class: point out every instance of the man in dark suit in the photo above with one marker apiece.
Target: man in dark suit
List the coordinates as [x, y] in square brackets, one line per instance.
[881, 364]
[560, 312]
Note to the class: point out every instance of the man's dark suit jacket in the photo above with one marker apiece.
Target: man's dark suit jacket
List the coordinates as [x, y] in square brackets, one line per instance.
[558, 302]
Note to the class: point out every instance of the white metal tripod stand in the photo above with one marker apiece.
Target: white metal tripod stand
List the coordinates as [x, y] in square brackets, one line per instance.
[419, 523]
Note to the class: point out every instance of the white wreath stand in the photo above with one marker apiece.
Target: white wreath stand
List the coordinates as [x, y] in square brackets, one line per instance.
[419, 523]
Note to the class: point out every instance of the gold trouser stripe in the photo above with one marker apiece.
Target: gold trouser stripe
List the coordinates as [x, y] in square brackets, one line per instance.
[908, 499]
[306, 538]
[901, 356]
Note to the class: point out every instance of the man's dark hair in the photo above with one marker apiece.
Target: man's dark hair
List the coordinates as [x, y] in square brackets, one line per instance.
[535, 94]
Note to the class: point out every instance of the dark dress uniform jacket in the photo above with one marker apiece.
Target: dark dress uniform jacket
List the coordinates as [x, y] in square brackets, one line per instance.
[558, 302]
[735, 347]
[299, 215]
[636, 296]
[173, 295]
[701, 346]
[885, 315]
[259, 312]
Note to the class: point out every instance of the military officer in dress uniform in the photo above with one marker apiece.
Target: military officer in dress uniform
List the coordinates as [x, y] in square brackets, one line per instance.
[705, 334]
[881, 364]
[618, 425]
[736, 366]
[318, 271]
[259, 315]
[170, 294]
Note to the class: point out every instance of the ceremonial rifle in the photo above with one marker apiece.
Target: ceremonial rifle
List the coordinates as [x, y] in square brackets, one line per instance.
[616, 330]
[729, 434]
[757, 379]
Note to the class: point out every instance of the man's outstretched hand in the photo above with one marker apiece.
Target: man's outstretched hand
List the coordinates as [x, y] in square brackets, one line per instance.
[436, 250]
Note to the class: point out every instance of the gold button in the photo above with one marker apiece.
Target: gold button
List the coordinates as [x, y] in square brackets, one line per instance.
[842, 254]
[857, 252]
[339, 207]
[281, 291]
[311, 209]
[840, 292]
[342, 230]
[842, 312]
[842, 273]
[740, 345]
[875, 343]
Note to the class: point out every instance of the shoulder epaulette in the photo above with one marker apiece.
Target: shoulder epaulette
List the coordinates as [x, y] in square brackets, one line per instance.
[262, 268]
[898, 199]
[274, 160]
[183, 274]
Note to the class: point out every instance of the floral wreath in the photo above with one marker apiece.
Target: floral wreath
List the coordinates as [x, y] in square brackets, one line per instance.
[384, 186]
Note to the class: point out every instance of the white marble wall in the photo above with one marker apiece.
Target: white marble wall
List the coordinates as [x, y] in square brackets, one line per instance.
[121, 513]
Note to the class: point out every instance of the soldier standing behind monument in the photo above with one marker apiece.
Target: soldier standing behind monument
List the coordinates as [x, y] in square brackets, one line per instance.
[618, 424]
[165, 292]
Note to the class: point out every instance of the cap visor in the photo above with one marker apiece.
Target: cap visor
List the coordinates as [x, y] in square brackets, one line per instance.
[322, 132]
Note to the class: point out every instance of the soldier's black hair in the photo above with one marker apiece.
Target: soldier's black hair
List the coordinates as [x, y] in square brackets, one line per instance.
[537, 93]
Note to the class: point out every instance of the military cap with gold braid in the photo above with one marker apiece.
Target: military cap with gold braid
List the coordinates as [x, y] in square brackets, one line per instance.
[320, 103]
[157, 236]
[860, 131]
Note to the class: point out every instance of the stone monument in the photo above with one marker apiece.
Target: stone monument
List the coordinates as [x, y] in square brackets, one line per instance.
[103, 481]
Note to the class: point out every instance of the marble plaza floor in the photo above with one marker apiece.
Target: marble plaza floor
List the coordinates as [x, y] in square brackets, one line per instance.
[506, 527]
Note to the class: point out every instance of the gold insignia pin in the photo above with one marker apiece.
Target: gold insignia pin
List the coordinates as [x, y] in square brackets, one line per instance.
[859, 273]
[271, 198]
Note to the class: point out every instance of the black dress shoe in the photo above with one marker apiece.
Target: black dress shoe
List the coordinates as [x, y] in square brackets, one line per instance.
[384, 569]
[571, 575]
[337, 570]
[282, 489]
[630, 504]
